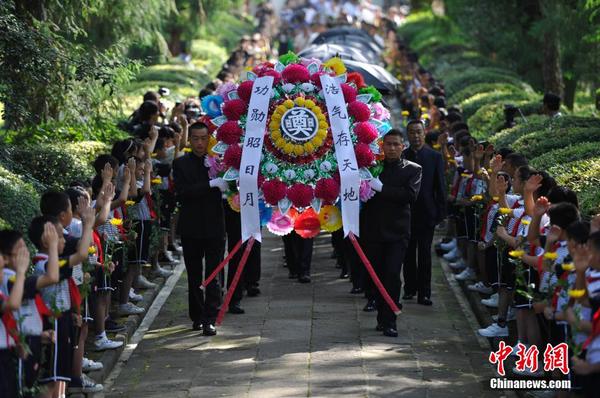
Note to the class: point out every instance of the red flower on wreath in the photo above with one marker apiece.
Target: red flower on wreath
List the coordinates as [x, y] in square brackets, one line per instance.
[349, 93]
[230, 132]
[273, 191]
[359, 111]
[245, 90]
[300, 194]
[235, 109]
[295, 73]
[327, 189]
[364, 155]
[233, 156]
[365, 132]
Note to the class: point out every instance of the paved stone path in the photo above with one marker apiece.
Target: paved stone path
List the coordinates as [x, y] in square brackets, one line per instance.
[308, 341]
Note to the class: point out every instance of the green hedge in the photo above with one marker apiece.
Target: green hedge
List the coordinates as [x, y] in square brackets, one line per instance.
[472, 104]
[56, 165]
[479, 88]
[583, 176]
[489, 119]
[20, 200]
[455, 82]
[568, 129]
[571, 153]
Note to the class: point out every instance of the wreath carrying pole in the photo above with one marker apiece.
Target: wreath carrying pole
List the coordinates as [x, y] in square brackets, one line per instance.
[226, 261]
[373, 275]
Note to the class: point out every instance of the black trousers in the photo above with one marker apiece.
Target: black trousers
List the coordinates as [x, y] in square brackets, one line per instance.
[203, 255]
[251, 274]
[298, 253]
[417, 264]
[337, 241]
[386, 258]
[357, 269]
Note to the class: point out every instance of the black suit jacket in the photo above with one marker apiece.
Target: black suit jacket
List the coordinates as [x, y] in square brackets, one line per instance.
[201, 210]
[430, 207]
[386, 216]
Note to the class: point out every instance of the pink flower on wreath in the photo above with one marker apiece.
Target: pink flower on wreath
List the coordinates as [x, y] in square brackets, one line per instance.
[308, 61]
[224, 89]
[365, 191]
[215, 167]
[380, 112]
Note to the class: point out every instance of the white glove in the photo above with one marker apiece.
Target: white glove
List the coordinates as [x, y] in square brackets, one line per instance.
[376, 184]
[219, 183]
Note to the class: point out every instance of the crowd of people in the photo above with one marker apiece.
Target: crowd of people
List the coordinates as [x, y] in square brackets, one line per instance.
[511, 230]
[514, 235]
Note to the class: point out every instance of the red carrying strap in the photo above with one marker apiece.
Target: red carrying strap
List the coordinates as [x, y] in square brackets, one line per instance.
[595, 329]
[515, 228]
[558, 288]
[98, 244]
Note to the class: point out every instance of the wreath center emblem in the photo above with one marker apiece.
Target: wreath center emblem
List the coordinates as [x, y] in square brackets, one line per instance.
[299, 124]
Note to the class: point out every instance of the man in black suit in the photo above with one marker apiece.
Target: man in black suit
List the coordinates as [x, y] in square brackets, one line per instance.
[201, 226]
[428, 211]
[385, 224]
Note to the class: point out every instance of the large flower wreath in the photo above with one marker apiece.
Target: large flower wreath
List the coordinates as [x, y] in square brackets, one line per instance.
[298, 164]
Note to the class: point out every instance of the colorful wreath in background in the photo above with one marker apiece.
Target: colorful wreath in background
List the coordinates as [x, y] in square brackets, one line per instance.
[298, 167]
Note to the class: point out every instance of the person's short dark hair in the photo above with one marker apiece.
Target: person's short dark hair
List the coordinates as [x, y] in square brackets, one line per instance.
[439, 102]
[8, 240]
[457, 126]
[176, 127]
[516, 160]
[578, 231]
[414, 121]
[552, 101]
[151, 96]
[36, 229]
[459, 136]
[74, 194]
[560, 194]
[53, 203]
[425, 100]
[454, 108]
[84, 184]
[548, 182]
[507, 178]
[204, 92]
[395, 133]
[504, 152]
[431, 138]
[101, 161]
[160, 144]
[524, 172]
[563, 214]
[166, 132]
[436, 91]
[211, 86]
[121, 149]
[453, 117]
[197, 126]
[594, 241]
[147, 110]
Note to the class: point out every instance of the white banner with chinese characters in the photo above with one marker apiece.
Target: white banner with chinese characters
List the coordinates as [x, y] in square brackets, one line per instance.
[344, 152]
[256, 123]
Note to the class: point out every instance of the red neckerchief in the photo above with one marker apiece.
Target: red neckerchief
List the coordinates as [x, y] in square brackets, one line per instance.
[558, 288]
[595, 329]
[150, 206]
[75, 295]
[10, 324]
[485, 217]
[469, 185]
[98, 245]
[42, 308]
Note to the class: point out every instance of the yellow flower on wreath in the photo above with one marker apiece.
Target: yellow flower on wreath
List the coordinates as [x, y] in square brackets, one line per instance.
[212, 141]
[293, 148]
[335, 64]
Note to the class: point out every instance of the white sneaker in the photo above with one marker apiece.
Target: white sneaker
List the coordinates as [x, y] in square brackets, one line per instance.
[104, 343]
[528, 373]
[494, 331]
[90, 366]
[130, 309]
[134, 297]
[481, 288]
[458, 264]
[143, 283]
[89, 385]
[449, 245]
[491, 302]
[163, 273]
[466, 274]
[451, 255]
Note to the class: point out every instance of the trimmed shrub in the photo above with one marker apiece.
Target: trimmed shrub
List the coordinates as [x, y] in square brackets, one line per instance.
[20, 201]
[457, 81]
[571, 153]
[476, 89]
[472, 104]
[57, 165]
[489, 119]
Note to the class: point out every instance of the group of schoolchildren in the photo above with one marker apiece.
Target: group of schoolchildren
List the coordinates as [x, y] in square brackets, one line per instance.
[91, 240]
[518, 238]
